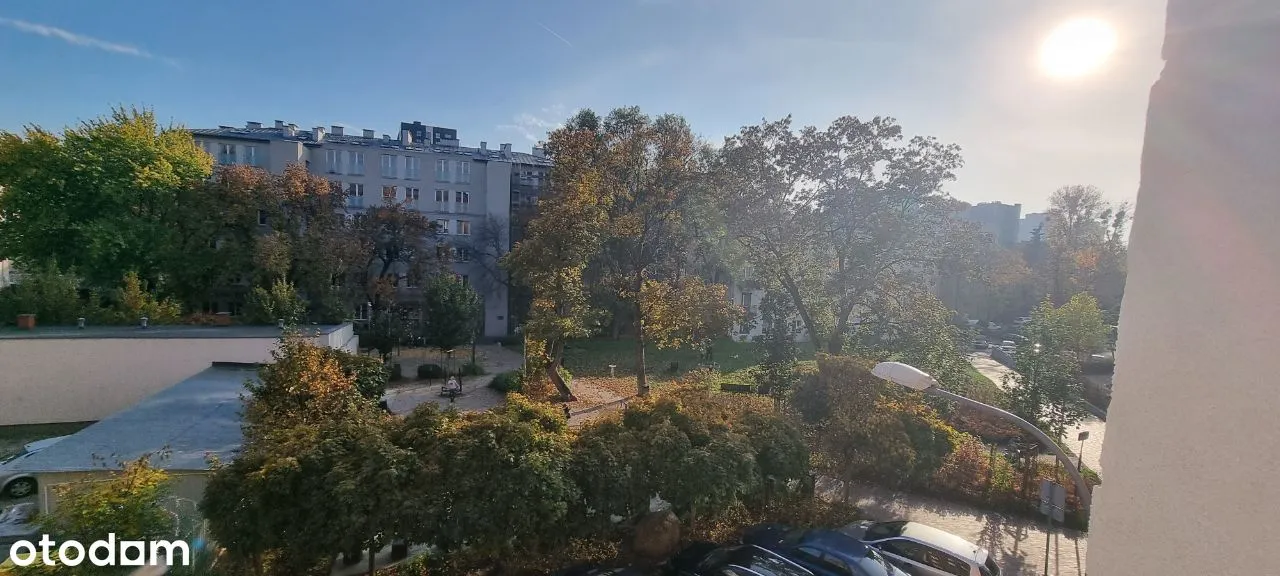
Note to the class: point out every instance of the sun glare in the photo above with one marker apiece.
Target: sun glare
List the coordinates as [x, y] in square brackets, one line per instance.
[1077, 47]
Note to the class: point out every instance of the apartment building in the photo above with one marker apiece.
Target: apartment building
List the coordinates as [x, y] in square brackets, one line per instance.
[425, 167]
[998, 219]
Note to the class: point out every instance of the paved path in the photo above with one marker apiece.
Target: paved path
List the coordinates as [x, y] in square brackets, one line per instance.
[476, 394]
[1097, 427]
[1018, 544]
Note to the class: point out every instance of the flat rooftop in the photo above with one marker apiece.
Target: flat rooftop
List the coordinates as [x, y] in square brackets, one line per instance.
[193, 419]
[170, 331]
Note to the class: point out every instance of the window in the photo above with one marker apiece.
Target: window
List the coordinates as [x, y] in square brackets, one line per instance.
[464, 227]
[461, 197]
[904, 549]
[412, 167]
[442, 226]
[462, 254]
[411, 193]
[945, 562]
[355, 190]
[226, 154]
[466, 280]
[388, 166]
[442, 195]
[389, 193]
[262, 217]
[357, 163]
[814, 556]
[464, 171]
[251, 155]
[333, 161]
[362, 312]
[442, 170]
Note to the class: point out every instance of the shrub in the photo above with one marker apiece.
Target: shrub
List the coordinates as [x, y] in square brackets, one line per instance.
[471, 369]
[507, 382]
[52, 295]
[431, 371]
[370, 374]
[280, 302]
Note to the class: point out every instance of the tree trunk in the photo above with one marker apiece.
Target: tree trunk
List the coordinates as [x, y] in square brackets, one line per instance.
[642, 381]
[372, 557]
[557, 357]
[803, 311]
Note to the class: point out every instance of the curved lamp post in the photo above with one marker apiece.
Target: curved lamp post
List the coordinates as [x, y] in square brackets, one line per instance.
[920, 381]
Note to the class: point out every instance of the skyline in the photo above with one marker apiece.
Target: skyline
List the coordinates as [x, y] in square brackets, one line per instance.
[505, 72]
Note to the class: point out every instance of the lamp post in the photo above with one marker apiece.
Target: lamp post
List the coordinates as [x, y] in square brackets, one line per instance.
[1082, 436]
[920, 381]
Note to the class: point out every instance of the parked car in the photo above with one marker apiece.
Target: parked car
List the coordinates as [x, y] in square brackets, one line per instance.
[16, 524]
[1022, 320]
[707, 559]
[922, 550]
[823, 552]
[596, 570]
[22, 484]
[980, 344]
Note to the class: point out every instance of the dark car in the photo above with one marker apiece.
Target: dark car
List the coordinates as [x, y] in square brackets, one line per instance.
[596, 570]
[823, 552]
[706, 559]
[16, 523]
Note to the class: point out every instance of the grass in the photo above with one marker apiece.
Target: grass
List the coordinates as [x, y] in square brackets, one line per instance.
[593, 357]
[13, 438]
[982, 389]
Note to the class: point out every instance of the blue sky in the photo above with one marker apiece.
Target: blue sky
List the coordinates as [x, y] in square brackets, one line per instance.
[507, 70]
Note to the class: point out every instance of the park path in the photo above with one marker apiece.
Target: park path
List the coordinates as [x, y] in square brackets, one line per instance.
[476, 394]
[1019, 544]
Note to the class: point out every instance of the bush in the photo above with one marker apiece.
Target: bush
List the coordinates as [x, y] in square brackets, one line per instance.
[280, 302]
[507, 382]
[52, 295]
[370, 374]
[471, 369]
[431, 371]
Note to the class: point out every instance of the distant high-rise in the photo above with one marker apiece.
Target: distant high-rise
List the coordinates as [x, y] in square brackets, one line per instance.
[1029, 223]
[996, 218]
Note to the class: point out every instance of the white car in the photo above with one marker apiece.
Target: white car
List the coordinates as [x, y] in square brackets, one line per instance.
[922, 550]
[22, 484]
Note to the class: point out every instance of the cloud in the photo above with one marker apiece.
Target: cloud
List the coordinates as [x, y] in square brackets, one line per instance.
[534, 127]
[82, 40]
[553, 33]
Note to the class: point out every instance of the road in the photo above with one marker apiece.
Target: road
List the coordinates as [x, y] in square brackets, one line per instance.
[1096, 427]
[1019, 544]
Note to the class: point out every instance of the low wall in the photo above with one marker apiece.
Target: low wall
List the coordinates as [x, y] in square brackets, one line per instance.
[48, 380]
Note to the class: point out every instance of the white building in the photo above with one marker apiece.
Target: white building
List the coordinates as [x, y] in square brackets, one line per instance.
[424, 166]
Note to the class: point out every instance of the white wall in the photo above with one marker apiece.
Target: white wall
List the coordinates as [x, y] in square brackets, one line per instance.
[1191, 474]
[45, 380]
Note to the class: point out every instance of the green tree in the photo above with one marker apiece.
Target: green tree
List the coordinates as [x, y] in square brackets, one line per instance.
[100, 198]
[1080, 327]
[49, 293]
[129, 504]
[1046, 386]
[839, 217]
[280, 302]
[450, 313]
[776, 374]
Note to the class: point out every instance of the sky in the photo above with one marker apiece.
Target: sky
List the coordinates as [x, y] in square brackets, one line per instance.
[964, 71]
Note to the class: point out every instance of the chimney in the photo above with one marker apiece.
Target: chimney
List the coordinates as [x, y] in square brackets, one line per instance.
[336, 130]
[317, 133]
[540, 150]
[406, 138]
[279, 124]
[368, 133]
[253, 125]
[506, 149]
[386, 138]
[484, 146]
[291, 130]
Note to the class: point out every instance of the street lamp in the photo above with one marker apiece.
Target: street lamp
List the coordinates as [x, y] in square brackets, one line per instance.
[920, 381]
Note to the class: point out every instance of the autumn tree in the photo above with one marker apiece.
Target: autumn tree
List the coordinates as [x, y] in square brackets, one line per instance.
[837, 218]
[399, 247]
[100, 197]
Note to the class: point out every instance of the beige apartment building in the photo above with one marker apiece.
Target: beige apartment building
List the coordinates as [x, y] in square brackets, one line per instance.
[460, 188]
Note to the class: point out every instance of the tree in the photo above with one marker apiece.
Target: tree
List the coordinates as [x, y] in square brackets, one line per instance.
[776, 347]
[100, 198]
[129, 504]
[1075, 231]
[489, 244]
[1080, 327]
[399, 247]
[1046, 386]
[49, 293]
[839, 217]
[450, 313]
[687, 312]
[317, 472]
[281, 302]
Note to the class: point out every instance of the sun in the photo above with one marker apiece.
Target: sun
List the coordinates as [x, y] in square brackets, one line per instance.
[1077, 48]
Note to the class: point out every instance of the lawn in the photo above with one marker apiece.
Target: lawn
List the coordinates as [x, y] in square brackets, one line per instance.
[13, 438]
[593, 357]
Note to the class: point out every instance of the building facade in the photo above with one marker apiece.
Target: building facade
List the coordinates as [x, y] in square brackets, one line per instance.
[1030, 222]
[425, 168]
[998, 219]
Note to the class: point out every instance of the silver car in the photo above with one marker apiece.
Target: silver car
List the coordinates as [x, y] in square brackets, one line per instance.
[922, 550]
[22, 484]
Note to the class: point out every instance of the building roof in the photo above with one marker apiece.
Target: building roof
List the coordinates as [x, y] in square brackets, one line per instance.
[268, 133]
[194, 419]
[176, 331]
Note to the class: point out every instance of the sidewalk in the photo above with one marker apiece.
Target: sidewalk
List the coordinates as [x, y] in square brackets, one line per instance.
[1018, 544]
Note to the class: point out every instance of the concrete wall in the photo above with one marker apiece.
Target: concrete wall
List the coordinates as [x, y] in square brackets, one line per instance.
[48, 380]
[1191, 473]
